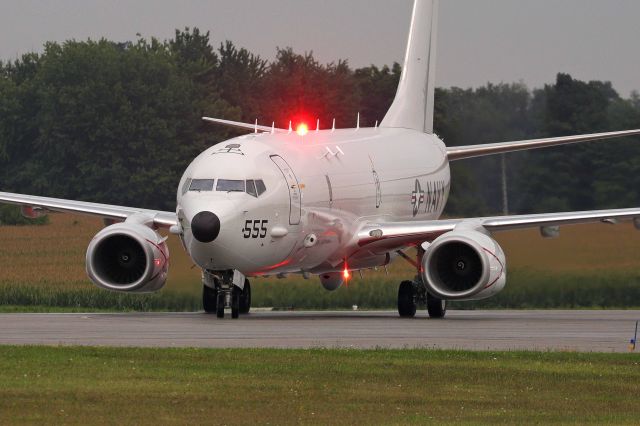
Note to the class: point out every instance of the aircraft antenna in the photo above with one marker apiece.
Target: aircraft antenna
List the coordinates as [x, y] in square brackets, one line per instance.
[290, 127]
[376, 126]
[318, 125]
[256, 128]
[273, 127]
[358, 122]
[333, 127]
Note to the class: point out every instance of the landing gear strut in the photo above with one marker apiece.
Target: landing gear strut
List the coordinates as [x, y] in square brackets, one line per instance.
[414, 293]
[218, 294]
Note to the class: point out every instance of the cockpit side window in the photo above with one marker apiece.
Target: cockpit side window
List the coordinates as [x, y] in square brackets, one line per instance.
[251, 188]
[201, 185]
[227, 185]
[260, 186]
[186, 185]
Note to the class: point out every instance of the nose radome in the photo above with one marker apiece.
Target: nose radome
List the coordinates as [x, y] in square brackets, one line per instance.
[205, 226]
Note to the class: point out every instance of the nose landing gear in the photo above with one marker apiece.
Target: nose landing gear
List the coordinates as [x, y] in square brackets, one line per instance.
[218, 295]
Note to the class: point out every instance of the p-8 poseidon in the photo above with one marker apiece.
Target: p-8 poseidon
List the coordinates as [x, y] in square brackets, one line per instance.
[281, 201]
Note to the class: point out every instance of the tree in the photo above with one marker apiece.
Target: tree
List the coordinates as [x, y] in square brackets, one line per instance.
[571, 177]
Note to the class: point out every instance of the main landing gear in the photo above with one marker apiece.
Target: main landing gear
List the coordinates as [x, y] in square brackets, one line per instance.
[414, 293]
[218, 295]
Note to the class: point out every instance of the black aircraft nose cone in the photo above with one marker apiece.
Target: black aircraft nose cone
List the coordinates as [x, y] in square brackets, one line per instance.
[205, 227]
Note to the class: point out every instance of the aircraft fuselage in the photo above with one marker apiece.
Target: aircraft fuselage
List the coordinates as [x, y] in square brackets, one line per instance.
[319, 188]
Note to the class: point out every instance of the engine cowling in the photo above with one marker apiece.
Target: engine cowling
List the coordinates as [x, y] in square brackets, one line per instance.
[128, 257]
[332, 281]
[464, 265]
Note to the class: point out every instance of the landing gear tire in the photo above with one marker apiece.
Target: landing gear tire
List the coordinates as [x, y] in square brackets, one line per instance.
[437, 308]
[236, 293]
[407, 299]
[220, 304]
[209, 299]
[245, 298]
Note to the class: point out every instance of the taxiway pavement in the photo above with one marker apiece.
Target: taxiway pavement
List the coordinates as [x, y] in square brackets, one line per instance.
[597, 331]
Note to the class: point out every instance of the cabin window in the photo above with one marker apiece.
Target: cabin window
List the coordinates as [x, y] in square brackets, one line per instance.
[227, 185]
[200, 185]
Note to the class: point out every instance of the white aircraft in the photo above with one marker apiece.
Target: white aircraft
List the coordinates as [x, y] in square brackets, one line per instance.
[323, 202]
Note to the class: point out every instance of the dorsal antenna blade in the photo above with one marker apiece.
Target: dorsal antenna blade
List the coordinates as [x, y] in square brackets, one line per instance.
[290, 127]
[333, 126]
[358, 122]
[273, 127]
[256, 128]
[318, 125]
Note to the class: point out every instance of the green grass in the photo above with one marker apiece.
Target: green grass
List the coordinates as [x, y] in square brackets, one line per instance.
[525, 290]
[239, 386]
[26, 298]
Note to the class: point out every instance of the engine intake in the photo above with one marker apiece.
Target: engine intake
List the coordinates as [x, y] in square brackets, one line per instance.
[128, 257]
[464, 265]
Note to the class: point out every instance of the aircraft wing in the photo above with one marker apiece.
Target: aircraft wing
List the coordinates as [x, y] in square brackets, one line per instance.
[469, 151]
[398, 234]
[107, 211]
[244, 126]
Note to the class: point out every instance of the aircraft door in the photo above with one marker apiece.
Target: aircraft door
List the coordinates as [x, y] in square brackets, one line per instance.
[295, 198]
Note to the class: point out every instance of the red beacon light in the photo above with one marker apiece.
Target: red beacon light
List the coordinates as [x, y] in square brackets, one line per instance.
[302, 129]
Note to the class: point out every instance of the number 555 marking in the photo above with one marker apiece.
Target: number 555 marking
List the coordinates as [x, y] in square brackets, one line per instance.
[256, 228]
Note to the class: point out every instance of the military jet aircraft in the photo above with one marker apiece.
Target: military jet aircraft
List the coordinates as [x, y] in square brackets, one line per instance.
[279, 201]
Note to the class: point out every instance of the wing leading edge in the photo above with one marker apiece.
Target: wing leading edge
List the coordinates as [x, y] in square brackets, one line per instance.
[470, 151]
[161, 219]
[397, 234]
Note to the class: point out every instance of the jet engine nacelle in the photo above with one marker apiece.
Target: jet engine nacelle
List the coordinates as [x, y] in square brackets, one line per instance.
[331, 281]
[464, 265]
[128, 257]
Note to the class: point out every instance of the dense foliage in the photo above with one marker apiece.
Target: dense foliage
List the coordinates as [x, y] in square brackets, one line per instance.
[11, 215]
[119, 122]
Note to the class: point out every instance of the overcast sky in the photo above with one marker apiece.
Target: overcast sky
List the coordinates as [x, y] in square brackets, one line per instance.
[479, 40]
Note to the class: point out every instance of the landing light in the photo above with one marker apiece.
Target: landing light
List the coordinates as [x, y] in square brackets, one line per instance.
[302, 129]
[346, 274]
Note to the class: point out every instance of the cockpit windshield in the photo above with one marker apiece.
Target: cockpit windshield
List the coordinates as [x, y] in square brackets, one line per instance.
[230, 185]
[253, 187]
[201, 185]
[260, 186]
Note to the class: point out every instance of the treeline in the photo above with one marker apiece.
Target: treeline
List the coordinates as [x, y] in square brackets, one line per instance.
[119, 122]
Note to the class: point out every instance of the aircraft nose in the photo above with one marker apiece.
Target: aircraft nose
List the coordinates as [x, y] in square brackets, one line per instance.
[205, 226]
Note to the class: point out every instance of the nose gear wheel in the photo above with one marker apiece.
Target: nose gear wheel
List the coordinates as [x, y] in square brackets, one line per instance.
[209, 299]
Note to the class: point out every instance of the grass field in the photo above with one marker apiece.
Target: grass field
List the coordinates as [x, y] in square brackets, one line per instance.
[198, 386]
[588, 266]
